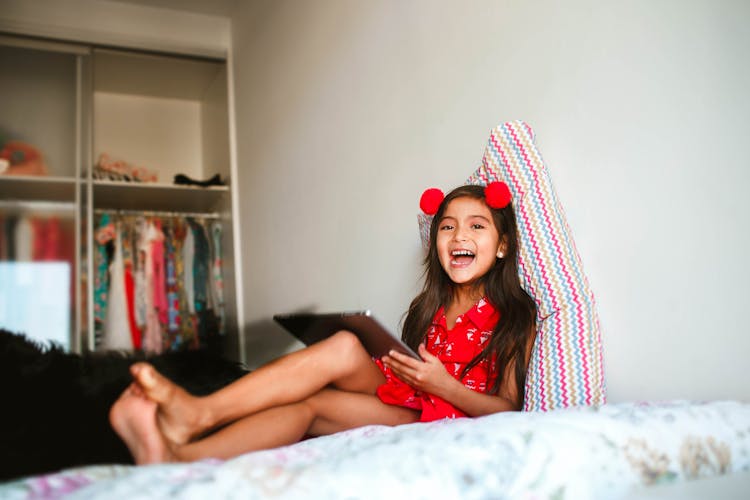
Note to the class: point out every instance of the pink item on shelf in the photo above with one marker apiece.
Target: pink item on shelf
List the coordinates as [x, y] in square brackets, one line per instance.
[119, 170]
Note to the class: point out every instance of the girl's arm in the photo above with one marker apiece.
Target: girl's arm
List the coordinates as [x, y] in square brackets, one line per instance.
[431, 376]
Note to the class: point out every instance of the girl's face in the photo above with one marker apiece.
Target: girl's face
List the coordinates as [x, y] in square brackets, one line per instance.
[467, 240]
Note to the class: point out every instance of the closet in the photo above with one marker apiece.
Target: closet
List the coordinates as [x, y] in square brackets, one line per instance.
[102, 146]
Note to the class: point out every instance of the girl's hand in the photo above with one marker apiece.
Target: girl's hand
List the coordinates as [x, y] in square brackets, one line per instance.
[427, 376]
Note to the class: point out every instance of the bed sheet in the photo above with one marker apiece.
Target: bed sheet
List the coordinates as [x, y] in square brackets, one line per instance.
[595, 452]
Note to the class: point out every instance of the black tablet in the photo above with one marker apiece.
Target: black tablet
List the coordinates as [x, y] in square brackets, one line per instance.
[314, 327]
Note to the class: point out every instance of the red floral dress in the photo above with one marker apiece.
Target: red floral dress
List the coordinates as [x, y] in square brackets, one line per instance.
[455, 348]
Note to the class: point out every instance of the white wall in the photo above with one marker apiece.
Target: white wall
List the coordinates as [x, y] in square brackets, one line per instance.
[346, 111]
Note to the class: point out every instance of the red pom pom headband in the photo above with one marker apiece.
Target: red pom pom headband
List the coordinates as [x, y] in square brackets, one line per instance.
[496, 195]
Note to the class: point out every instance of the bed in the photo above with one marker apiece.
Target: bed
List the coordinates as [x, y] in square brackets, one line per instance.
[627, 450]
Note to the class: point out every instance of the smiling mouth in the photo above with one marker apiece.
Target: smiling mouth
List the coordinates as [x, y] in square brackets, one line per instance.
[462, 257]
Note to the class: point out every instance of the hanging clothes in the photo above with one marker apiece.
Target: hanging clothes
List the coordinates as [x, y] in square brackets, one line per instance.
[152, 338]
[184, 259]
[172, 281]
[24, 240]
[200, 265]
[217, 279]
[172, 291]
[37, 289]
[127, 234]
[3, 239]
[103, 237]
[140, 283]
[188, 258]
[160, 276]
[47, 242]
[10, 237]
[116, 327]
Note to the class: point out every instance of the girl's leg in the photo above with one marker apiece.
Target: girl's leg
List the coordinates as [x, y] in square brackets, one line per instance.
[340, 361]
[134, 419]
[326, 412]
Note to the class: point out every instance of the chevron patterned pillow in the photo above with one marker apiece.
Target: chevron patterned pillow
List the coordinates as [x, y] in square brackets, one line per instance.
[566, 362]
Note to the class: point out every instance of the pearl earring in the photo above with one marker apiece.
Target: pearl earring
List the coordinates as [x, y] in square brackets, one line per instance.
[500, 255]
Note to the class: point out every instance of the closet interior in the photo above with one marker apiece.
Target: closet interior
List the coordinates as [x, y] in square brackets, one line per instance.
[116, 213]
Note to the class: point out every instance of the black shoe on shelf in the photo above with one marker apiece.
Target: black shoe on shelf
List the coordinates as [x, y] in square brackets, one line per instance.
[185, 180]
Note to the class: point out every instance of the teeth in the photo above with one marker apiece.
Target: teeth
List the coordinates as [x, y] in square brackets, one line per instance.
[457, 253]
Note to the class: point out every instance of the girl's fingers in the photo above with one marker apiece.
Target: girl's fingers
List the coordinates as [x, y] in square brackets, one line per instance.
[394, 364]
[425, 354]
[400, 369]
[404, 359]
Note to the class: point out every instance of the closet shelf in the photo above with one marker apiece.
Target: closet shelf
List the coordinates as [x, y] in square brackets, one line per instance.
[43, 188]
[164, 197]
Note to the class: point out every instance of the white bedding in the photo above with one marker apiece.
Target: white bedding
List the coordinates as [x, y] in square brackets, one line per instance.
[606, 452]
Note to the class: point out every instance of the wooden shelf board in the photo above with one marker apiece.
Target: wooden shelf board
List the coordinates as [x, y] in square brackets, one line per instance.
[148, 196]
[41, 188]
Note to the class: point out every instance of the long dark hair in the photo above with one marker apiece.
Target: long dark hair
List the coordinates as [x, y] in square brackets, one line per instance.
[502, 288]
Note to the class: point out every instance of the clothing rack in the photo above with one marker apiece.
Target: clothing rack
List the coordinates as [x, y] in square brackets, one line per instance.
[45, 206]
[157, 213]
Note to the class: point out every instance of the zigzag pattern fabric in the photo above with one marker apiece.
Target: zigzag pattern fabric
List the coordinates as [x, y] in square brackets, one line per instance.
[566, 363]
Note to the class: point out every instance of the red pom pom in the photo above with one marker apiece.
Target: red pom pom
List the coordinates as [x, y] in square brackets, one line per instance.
[431, 200]
[497, 194]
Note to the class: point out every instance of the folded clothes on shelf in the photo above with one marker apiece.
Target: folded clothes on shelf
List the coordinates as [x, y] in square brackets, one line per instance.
[118, 170]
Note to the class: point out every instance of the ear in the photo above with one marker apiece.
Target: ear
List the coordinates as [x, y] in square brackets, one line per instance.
[502, 247]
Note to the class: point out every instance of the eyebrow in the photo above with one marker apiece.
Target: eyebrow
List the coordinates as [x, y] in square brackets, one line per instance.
[477, 216]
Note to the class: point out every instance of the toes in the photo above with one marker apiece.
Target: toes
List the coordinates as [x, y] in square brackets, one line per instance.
[135, 368]
[152, 384]
[147, 377]
[136, 390]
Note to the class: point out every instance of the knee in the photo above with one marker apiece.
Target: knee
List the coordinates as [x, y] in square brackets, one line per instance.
[308, 409]
[347, 347]
[346, 342]
[345, 337]
[313, 404]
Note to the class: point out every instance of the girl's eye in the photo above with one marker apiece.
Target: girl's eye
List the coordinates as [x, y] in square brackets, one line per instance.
[446, 227]
[477, 226]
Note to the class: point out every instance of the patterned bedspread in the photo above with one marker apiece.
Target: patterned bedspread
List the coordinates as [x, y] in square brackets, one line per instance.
[581, 453]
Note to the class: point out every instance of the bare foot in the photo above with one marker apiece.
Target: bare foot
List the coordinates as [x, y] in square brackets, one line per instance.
[133, 417]
[178, 414]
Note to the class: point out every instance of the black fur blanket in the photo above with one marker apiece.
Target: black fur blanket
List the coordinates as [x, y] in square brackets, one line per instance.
[55, 405]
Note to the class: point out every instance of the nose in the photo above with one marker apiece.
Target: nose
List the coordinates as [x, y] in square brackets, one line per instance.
[459, 234]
